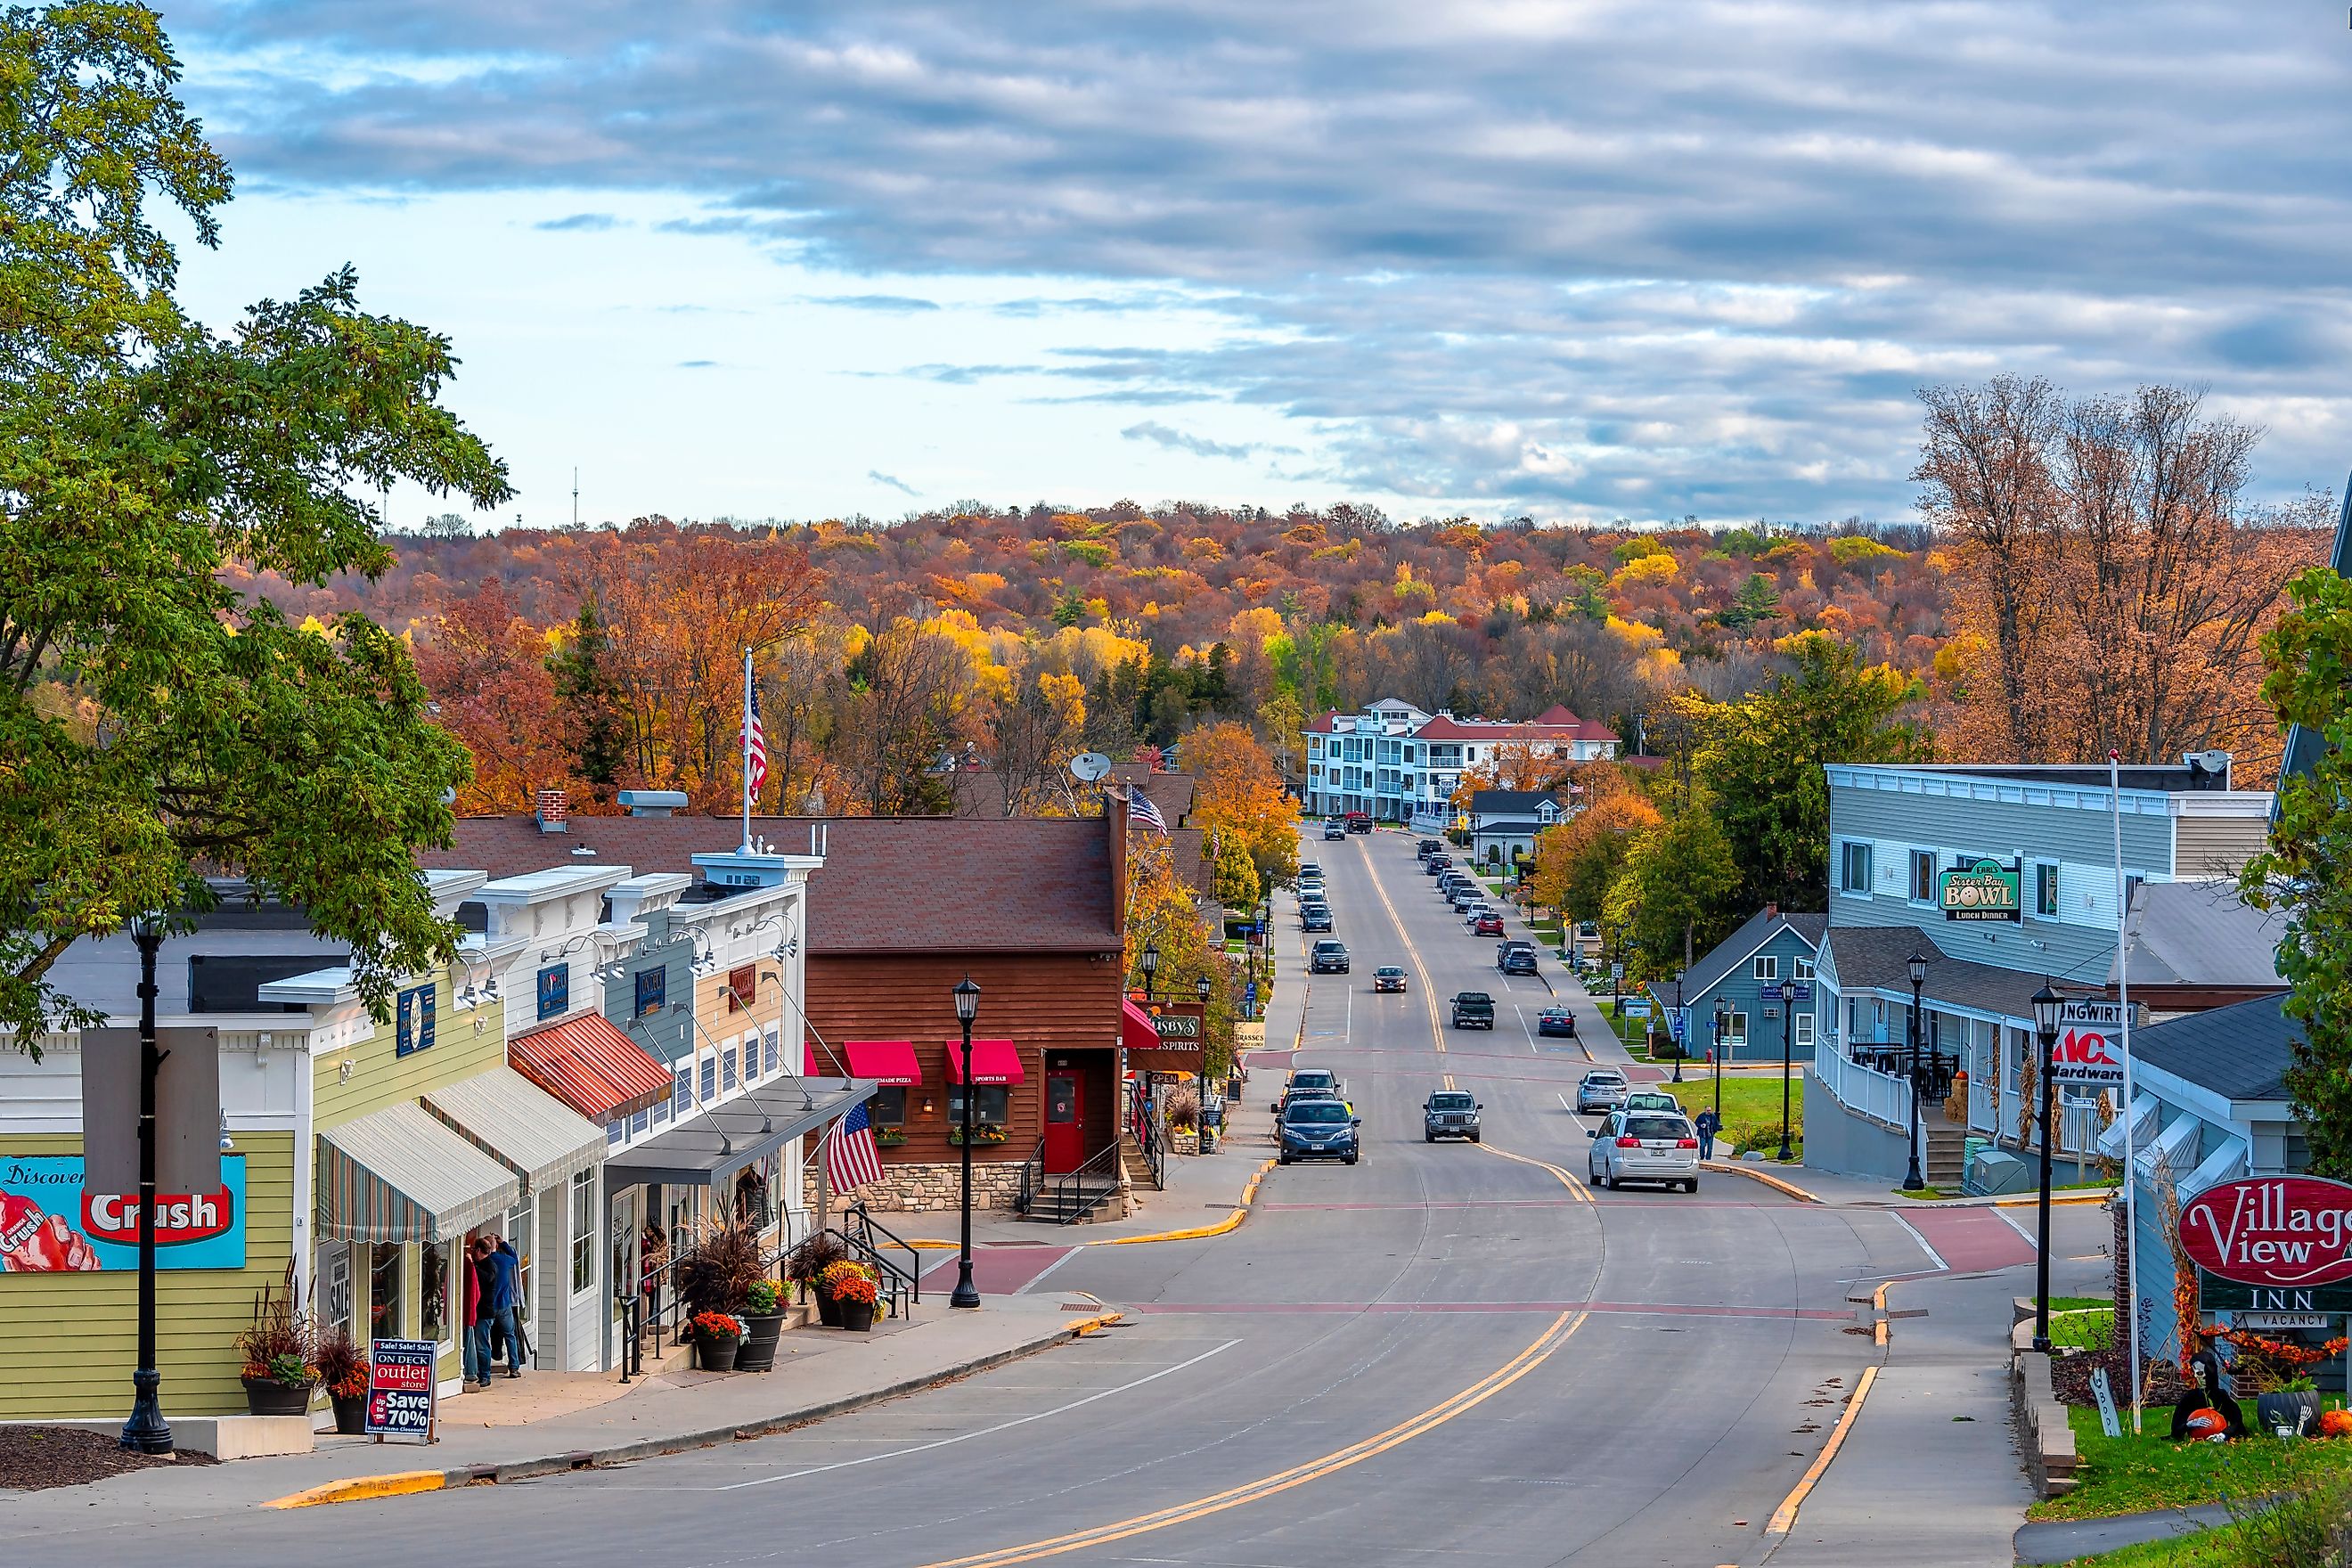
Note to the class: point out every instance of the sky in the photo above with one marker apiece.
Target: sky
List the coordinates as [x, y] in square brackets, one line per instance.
[1568, 260]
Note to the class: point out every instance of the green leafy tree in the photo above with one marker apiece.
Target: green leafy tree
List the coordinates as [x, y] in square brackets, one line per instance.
[1678, 876]
[157, 724]
[590, 700]
[1758, 599]
[1759, 763]
[2306, 872]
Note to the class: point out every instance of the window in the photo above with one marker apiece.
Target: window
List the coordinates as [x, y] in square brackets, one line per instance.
[614, 1130]
[554, 990]
[1767, 967]
[742, 988]
[1804, 1028]
[1804, 968]
[652, 991]
[773, 1052]
[2131, 887]
[637, 1120]
[387, 1314]
[726, 1067]
[434, 1297]
[1737, 1032]
[1853, 868]
[989, 1106]
[335, 1287]
[2045, 891]
[1923, 875]
[711, 1077]
[889, 1106]
[412, 1021]
[583, 1229]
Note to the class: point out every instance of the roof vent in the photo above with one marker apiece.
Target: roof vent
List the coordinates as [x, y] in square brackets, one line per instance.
[581, 849]
[653, 801]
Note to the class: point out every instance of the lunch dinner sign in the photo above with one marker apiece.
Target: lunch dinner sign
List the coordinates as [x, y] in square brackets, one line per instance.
[2274, 1243]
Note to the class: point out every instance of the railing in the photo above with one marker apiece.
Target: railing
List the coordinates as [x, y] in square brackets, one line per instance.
[656, 1306]
[902, 1286]
[1079, 1192]
[1032, 1170]
[1150, 1129]
[1880, 1096]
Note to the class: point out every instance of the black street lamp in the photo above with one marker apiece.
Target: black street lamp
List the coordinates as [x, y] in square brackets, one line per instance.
[2046, 1003]
[147, 1432]
[967, 1006]
[1682, 1030]
[1788, 1063]
[1722, 1027]
[1151, 966]
[1200, 989]
[1913, 1180]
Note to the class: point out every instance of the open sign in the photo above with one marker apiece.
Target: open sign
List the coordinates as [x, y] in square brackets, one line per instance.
[2286, 1231]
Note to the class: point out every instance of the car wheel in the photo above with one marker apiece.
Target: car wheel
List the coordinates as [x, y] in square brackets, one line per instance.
[1477, 1137]
[1691, 1185]
[1282, 1159]
[1608, 1182]
[1352, 1159]
[1429, 1137]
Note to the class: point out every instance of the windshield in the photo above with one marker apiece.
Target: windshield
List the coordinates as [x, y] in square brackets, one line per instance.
[1604, 1080]
[1449, 1102]
[1310, 1080]
[1656, 1126]
[1316, 1111]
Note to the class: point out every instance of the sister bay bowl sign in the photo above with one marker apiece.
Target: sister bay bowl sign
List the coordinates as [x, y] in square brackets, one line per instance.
[2276, 1233]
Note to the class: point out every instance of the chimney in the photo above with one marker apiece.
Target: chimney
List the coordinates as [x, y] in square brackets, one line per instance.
[554, 811]
[1772, 911]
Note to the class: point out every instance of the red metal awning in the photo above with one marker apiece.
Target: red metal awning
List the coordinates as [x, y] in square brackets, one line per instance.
[890, 1063]
[992, 1061]
[592, 1067]
[1137, 1032]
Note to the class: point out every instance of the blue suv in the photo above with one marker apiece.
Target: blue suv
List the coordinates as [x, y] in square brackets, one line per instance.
[1319, 1129]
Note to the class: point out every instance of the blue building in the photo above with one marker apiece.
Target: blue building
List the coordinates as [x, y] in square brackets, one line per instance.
[1774, 949]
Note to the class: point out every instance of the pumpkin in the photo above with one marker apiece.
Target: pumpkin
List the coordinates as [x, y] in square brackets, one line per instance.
[2335, 1424]
[2208, 1426]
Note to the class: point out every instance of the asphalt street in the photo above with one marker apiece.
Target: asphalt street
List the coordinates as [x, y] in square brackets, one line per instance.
[1446, 1350]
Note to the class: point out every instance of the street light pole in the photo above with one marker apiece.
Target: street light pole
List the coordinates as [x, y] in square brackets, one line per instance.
[967, 1006]
[147, 1432]
[1722, 1026]
[1682, 1036]
[1788, 1063]
[2046, 1003]
[1912, 1179]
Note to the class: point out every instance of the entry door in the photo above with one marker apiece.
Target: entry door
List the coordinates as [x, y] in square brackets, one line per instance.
[1066, 1122]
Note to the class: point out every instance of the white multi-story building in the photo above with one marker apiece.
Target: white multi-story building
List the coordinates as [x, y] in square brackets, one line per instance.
[1397, 763]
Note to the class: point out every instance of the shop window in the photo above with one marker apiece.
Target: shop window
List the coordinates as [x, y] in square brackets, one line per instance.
[750, 1202]
[653, 992]
[1853, 868]
[335, 1285]
[990, 1106]
[711, 1077]
[889, 1110]
[554, 990]
[433, 1296]
[1923, 875]
[726, 1067]
[742, 988]
[412, 1013]
[387, 1312]
[1767, 967]
[773, 1051]
[583, 1230]
[752, 1057]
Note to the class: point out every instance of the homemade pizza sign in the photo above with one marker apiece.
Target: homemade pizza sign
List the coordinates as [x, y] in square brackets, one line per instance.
[2280, 1232]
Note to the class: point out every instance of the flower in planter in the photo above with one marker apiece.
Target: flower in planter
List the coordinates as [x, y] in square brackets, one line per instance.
[836, 1275]
[763, 1299]
[291, 1371]
[715, 1326]
[859, 1289]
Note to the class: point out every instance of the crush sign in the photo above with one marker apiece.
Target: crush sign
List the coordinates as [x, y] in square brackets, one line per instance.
[2283, 1232]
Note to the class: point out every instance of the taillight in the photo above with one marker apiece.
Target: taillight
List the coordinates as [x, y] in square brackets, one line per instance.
[1629, 1142]
[1685, 1143]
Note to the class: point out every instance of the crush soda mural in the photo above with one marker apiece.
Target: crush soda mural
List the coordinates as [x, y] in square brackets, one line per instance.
[50, 1224]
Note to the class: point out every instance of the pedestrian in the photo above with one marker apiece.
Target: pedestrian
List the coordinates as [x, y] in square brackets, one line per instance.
[471, 1290]
[1706, 1126]
[481, 1279]
[495, 1272]
[506, 1301]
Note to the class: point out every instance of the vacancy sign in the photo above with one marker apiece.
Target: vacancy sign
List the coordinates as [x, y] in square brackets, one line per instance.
[2090, 1049]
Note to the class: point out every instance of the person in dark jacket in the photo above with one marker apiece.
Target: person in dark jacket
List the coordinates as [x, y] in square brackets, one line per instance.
[1706, 1126]
[498, 1270]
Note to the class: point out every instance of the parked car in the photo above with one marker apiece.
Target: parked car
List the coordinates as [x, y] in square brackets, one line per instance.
[1428, 847]
[1329, 957]
[1516, 958]
[1603, 1089]
[1389, 977]
[1334, 828]
[1465, 894]
[1319, 1130]
[1643, 1146]
[1313, 918]
[1474, 1010]
[1556, 1021]
[1310, 888]
[1360, 822]
[1449, 1114]
[1311, 868]
[1438, 864]
[1488, 924]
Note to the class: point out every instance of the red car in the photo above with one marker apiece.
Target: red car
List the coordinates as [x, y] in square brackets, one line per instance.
[1489, 925]
[1360, 822]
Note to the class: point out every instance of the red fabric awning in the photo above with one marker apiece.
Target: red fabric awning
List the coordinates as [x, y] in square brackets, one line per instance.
[1137, 1032]
[890, 1063]
[992, 1061]
[592, 1067]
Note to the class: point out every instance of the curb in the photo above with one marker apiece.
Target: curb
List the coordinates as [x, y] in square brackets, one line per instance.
[1231, 1222]
[365, 1489]
[1733, 1168]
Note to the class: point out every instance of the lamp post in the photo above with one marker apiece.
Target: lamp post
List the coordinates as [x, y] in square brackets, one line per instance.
[1200, 989]
[2046, 1003]
[1681, 1031]
[967, 1006]
[147, 1432]
[1913, 1180]
[1788, 1063]
[1151, 966]
[1722, 1026]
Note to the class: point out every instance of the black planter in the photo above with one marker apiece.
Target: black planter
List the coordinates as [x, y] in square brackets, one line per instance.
[714, 1354]
[758, 1351]
[351, 1414]
[268, 1396]
[2298, 1413]
[857, 1317]
[828, 1310]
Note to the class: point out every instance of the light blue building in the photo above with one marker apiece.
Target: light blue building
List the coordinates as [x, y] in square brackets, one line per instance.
[1773, 950]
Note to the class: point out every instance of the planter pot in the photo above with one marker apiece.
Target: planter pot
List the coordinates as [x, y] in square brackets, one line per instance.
[2298, 1413]
[351, 1414]
[828, 1310]
[268, 1396]
[758, 1351]
[857, 1317]
[717, 1355]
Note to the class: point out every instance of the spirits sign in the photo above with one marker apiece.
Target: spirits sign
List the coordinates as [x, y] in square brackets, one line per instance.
[2285, 1233]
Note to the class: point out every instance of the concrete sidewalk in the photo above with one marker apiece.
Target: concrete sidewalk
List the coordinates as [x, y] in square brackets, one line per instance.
[819, 1372]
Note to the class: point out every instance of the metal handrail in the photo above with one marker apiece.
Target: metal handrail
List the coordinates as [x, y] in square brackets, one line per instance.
[1070, 1208]
[1032, 1170]
[869, 1227]
[895, 1283]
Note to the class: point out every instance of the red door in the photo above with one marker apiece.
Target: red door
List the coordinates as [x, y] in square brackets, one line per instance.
[1065, 1124]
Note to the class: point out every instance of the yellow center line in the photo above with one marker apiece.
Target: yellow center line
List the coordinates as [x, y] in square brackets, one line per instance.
[1428, 999]
[1436, 1415]
[1582, 1193]
[1449, 1080]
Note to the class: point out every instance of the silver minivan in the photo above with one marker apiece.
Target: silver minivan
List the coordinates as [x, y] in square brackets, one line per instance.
[1644, 1146]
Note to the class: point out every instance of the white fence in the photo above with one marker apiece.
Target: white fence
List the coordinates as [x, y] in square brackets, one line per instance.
[1878, 1095]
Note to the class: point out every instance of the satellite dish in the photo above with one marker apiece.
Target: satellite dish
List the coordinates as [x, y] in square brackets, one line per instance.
[1090, 766]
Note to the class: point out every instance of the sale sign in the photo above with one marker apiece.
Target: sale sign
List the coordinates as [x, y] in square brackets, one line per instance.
[2279, 1231]
[400, 1389]
[50, 1221]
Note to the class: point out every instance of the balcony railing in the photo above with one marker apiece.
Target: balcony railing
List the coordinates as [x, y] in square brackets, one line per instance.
[1882, 1096]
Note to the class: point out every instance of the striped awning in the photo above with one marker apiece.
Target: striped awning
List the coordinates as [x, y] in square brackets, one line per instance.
[397, 1175]
[520, 1126]
[592, 1067]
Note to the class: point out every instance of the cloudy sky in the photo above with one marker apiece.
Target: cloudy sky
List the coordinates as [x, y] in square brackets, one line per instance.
[1571, 259]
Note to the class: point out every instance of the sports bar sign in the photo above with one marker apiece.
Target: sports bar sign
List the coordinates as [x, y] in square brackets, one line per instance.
[2283, 1242]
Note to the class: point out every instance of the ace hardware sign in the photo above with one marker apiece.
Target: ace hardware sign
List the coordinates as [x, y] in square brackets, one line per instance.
[2270, 1244]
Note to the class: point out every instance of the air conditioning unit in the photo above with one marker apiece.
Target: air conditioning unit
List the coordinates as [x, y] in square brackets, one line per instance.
[1771, 1012]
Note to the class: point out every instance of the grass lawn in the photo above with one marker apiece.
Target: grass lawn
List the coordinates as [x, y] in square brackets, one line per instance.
[1751, 1110]
[2128, 1474]
[2205, 1548]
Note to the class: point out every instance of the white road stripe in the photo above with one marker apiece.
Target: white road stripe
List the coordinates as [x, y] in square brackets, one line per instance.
[982, 1432]
[2029, 1239]
[1047, 1269]
[1933, 1256]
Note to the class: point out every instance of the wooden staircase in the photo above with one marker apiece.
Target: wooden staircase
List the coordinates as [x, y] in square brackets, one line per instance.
[1943, 1159]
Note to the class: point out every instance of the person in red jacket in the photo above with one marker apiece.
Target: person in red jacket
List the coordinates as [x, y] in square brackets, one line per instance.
[477, 1369]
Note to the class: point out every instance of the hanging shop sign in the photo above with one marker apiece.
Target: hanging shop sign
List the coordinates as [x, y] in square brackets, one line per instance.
[1182, 1031]
[2089, 1049]
[400, 1389]
[1980, 891]
[50, 1222]
[2287, 1237]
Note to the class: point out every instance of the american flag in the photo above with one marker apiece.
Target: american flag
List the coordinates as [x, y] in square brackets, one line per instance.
[852, 1160]
[1140, 809]
[755, 742]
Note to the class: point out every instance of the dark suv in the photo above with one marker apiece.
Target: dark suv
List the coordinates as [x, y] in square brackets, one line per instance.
[1474, 1010]
[1319, 1130]
[1449, 1114]
[1516, 958]
[1329, 957]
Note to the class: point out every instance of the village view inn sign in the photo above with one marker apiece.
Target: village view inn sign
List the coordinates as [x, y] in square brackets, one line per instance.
[2270, 1244]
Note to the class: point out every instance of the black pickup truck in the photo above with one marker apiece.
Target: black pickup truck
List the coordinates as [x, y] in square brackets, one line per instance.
[1474, 1010]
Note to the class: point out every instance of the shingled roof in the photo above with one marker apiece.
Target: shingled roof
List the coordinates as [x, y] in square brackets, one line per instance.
[888, 884]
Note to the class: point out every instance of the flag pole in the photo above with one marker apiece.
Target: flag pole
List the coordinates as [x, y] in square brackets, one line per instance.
[744, 737]
[2131, 1164]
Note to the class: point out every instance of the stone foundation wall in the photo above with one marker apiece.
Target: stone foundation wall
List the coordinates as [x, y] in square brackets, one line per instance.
[905, 1188]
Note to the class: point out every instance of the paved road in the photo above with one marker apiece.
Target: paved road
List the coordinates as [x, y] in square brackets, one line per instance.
[1444, 1350]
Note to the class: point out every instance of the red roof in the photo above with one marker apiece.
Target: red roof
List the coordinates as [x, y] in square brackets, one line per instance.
[889, 1062]
[592, 1067]
[992, 1061]
[1444, 729]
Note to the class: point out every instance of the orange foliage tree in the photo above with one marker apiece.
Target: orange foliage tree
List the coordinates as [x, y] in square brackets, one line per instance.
[1240, 797]
[487, 666]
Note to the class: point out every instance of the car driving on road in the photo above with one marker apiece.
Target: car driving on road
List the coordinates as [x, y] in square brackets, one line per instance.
[1313, 1083]
[1428, 847]
[1603, 1089]
[1329, 957]
[1319, 1130]
[1335, 828]
[1643, 1146]
[1474, 1010]
[1487, 924]
[1556, 1021]
[1516, 958]
[1389, 977]
[1449, 1114]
